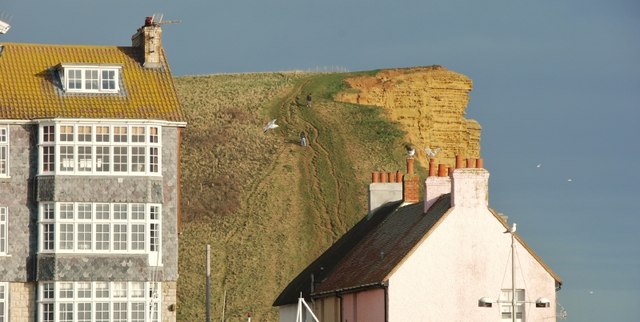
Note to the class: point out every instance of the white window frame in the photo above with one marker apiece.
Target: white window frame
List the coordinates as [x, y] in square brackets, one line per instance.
[4, 231]
[4, 302]
[90, 79]
[74, 151]
[109, 296]
[505, 305]
[61, 226]
[4, 151]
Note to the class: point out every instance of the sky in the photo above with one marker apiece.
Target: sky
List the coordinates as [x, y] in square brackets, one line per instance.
[556, 84]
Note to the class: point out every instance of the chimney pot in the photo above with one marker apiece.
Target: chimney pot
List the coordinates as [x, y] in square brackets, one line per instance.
[410, 165]
[479, 163]
[432, 168]
[398, 176]
[392, 177]
[459, 162]
[471, 163]
[383, 177]
[375, 177]
[442, 170]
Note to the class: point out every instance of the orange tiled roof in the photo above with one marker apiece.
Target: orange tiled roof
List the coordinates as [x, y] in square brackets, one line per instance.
[28, 87]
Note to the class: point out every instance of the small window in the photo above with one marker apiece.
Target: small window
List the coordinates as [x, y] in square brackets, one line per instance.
[3, 232]
[4, 152]
[90, 79]
[4, 301]
[506, 298]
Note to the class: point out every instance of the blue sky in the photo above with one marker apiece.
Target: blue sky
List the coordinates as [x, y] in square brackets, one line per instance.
[556, 83]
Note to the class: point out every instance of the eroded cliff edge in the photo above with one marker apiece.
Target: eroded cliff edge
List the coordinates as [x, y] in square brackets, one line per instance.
[429, 103]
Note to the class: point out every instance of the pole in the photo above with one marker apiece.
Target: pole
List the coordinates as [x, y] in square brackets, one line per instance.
[513, 277]
[208, 296]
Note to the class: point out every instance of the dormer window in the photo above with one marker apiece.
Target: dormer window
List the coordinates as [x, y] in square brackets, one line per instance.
[90, 79]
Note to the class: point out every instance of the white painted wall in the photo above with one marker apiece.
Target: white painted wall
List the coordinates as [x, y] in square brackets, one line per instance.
[465, 258]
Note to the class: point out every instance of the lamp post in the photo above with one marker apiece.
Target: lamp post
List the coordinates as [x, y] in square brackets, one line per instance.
[513, 272]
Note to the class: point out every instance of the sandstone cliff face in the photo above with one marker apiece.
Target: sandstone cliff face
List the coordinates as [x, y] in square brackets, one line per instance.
[429, 103]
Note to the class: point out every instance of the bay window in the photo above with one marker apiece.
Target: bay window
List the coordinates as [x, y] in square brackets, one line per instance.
[98, 149]
[98, 301]
[113, 228]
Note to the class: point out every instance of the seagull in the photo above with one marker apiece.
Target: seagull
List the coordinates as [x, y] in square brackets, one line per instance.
[431, 153]
[569, 180]
[410, 151]
[512, 229]
[539, 165]
[270, 125]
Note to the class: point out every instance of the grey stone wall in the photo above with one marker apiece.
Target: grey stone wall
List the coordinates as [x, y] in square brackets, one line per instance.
[170, 205]
[16, 193]
[71, 267]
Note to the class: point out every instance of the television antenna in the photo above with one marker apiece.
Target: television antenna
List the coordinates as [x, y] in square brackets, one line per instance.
[156, 19]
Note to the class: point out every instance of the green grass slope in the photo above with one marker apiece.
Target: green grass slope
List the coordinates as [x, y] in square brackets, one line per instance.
[266, 205]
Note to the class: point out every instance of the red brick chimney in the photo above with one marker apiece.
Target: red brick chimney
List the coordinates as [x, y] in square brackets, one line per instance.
[410, 184]
[149, 39]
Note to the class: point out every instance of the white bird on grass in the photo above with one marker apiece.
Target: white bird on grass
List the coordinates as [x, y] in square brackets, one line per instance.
[271, 125]
[431, 153]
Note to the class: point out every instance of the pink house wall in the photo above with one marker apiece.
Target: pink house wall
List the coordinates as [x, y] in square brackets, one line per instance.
[464, 259]
[365, 306]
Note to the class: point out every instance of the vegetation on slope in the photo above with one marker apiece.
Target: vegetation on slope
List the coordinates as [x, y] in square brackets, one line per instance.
[266, 205]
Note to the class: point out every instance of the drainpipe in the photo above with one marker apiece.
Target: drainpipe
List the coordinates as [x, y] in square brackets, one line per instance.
[386, 303]
[340, 304]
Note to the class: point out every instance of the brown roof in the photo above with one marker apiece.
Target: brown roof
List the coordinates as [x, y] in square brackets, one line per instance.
[30, 88]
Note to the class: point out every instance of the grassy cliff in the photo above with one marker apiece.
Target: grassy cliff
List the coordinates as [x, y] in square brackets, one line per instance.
[265, 204]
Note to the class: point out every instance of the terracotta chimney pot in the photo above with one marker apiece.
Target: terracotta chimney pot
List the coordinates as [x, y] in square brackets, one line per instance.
[459, 162]
[471, 163]
[442, 170]
[479, 163]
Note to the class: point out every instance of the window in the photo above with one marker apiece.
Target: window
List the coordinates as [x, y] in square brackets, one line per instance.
[104, 301]
[100, 149]
[83, 227]
[90, 79]
[4, 222]
[4, 301]
[4, 152]
[506, 297]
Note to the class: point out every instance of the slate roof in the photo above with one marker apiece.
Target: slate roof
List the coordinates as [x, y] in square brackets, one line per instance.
[30, 87]
[367, 254]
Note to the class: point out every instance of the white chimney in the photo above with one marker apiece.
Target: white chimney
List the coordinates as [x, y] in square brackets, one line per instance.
[385, 187]
[436, 185]
[470, 187]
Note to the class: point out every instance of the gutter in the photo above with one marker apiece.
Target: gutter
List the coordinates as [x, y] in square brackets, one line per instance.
[350, 289]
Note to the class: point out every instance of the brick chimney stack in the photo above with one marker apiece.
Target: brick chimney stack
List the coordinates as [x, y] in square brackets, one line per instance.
[149, 39]
[410, 184]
